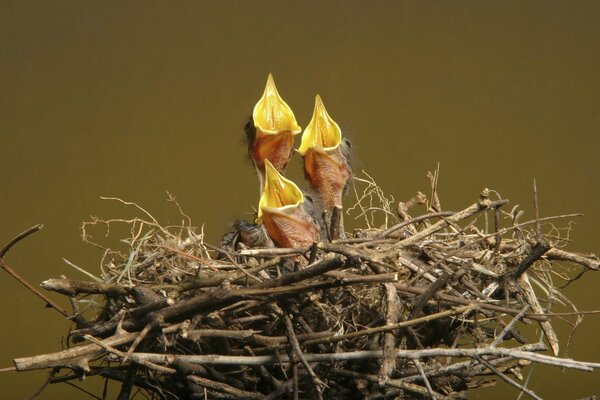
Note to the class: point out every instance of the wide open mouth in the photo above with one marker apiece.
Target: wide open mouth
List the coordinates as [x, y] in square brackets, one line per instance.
[271, 114]
[279, 193]
[322, 132]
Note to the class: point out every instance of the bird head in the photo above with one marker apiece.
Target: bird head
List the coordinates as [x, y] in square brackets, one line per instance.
[282, 211]
[322, 133]
[326, 164]
[272, 129]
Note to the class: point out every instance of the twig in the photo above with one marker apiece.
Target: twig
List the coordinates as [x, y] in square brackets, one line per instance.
[219, 386]
[317, 383]
[459, 300]
[392, 382]
[425, 380]
[18, 276]
[392, 314]
[370, 354]
[537, 251]
[510, 325]
[32, 289]
[413, 221]
[483, 204]
[537, 308]
[507, 379]
[392, 327]
[71, 287]
[590, 262]
[67, 358]
[19, 237]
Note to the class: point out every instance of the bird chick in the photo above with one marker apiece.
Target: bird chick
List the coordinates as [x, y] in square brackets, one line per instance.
[283, 211]
[270, 131]
[326, 162]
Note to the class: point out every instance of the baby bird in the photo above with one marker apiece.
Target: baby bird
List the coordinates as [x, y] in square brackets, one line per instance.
[270, 132]
[326, 164]
[284, 211]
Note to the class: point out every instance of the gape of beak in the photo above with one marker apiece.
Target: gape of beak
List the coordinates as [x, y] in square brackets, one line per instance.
[326, 165]
[271, 130]
[282, 211]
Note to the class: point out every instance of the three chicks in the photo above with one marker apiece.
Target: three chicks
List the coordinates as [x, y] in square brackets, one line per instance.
[289, 216]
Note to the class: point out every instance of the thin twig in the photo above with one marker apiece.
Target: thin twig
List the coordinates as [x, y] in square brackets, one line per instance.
[317, 383]
[507, 379]
[425, 380]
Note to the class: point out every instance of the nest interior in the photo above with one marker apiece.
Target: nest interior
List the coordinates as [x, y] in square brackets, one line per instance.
[410, 307]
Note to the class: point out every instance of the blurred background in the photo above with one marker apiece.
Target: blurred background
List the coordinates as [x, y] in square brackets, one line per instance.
[134, 99]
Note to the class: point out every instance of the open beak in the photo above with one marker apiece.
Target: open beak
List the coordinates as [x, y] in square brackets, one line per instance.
[280, 195]
[322, 132]
[274, 129]
[271, 114]
[326, 166]
[280, 210]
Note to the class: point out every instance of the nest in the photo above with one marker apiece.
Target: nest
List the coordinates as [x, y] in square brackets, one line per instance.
[407, 307]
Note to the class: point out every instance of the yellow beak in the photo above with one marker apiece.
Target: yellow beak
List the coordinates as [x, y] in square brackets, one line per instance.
[279, 195]
[271, 114]
[322, 132]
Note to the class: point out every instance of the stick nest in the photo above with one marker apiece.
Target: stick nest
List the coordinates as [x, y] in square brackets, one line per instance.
[407, 307]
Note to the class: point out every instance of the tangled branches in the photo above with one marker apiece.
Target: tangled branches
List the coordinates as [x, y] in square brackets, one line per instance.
[391, 311]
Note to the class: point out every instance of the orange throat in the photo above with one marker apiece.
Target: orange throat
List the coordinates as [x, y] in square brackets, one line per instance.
[328, 174]
[277, 148]
[294, 230]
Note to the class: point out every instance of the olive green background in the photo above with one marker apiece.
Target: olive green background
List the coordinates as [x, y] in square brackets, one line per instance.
[135, 98]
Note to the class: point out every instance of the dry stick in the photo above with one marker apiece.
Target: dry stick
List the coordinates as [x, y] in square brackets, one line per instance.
[485, 237]
[277, 385]
[188, 255]
[560, 255]
[223, 296]
[507, 379]
[425, 380]
[101, 329]
[19, 237]
[197, 334]
[218, 386]
[138, 340]
[72, 287]
[403, 207]
[68, 357]
[22, 280]
[459, 300]
[317, 383]
[150, 307]
[422, 300]
[273, 252]
[388, 364]
[510, 325]
[320, 267]
[354, 254]
[413, 221]
[537, 308]
[217, 359]
[483, 204]
[295, 380]
[393, 382]
[392, 327]
[452, 368]
[537, 251]
[498, 241]
[205, 279]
